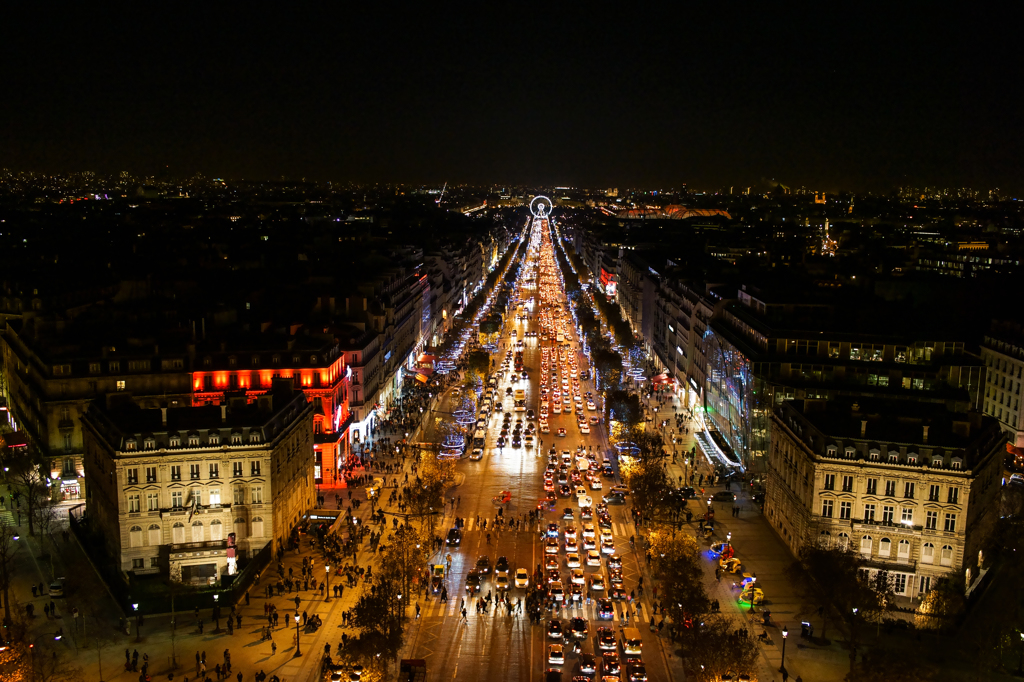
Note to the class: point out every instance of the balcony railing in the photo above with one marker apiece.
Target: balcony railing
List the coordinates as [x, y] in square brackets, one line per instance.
[192, 546]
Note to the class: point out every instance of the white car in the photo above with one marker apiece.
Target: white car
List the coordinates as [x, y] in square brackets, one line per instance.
[588, 530]
[595, 483]
[584, 427]
[577, 577]
[477, 454]
[581, 492]
[593, 558]
[556, 409]
[501, 582]
[591, 406]
[570, 533]
[606, 535]
[607, 548]
[556, 655]
[523, 577]
[597, 582]
[585, 501]
[572, 560]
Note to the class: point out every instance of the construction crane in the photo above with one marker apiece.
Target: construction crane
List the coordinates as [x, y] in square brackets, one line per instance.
[442, 193]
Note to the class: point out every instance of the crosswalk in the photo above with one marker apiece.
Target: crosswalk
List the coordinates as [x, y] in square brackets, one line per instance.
[471, 524]
[435, 608]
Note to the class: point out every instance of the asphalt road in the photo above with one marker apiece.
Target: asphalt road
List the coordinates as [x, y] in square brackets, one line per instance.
[490, 645]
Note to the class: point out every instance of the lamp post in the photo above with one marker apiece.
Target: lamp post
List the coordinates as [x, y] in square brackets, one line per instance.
[751, 587]
[135, 609]
[1020, 663]
[216, 612]
[785, 633]
[298, 651]
[328, 570]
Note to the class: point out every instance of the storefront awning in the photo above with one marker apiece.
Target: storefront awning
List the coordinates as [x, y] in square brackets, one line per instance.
[425, 359]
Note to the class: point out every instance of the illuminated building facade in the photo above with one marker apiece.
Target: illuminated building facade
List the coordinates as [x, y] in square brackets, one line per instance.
[169, 486]
[248, 367]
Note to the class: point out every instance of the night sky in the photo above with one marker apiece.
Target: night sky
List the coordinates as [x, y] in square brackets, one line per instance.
[592, 95]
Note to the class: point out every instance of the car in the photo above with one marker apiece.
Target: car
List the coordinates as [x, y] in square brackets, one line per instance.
[454, 538]
[556, 654]
[586, 513]
[588, 664]
[723, 496]
[552, 675]
[578, 627]
[522, 578]
[501, 566]
[619, 490]
[593, 558]
[597, 583]
[555, 629]
[584, 428]
[570, 533]
[544, 428]
[607, 547]
[614, 499]
[577, 576]
[606, 638]
[472, 582]
[483, 565]
[636, 673]
[477, 454]
[605, 610]
[501, 583]
[588, 530]
[757, 592]
[561, 432]
[595, 483]
[591, 406]
[610, 663]
[617, 592]
[555, 590]
[571, 548]
[552, 530]
[550, 562]
[615, 577]
[589, 544]
[572, 560]
[568, 513]
[614, 562]
[585, 501]
[551, 546]
[56, 589]
[606, 535]
[594, 421]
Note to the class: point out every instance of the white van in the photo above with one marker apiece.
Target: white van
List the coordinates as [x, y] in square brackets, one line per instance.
[631, 642]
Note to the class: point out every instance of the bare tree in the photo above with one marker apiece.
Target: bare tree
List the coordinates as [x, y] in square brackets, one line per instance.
[8, 547]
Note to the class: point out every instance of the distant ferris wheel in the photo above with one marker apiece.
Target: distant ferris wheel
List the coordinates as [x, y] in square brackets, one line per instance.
[540, 207]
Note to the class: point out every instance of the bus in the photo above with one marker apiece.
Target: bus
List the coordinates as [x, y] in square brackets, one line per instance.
[478, 438]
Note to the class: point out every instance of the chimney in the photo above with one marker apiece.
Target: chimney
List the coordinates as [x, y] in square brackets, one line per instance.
[925, 429]
[163, 416]
[223, 413]
[863, 427]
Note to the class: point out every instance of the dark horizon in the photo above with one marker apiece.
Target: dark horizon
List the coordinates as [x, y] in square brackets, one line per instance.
[859, 101]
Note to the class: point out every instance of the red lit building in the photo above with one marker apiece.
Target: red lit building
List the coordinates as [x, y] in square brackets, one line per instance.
[315, 363]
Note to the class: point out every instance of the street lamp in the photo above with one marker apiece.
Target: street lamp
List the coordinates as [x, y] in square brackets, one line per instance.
[328, 570]
[751, 587]
[298, 651]
[1020, 664]
[216, 612]
[785, 633]
[135, 608]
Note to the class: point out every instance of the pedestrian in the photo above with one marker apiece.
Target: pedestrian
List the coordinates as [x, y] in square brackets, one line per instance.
[273, 647]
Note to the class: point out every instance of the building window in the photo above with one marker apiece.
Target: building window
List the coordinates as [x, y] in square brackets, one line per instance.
[257, 495]
[94, 368]
[953, 496]
[239, 528]
[236, 438]
[213, 438]
[239, 494]
[845, 510]
[150, 474]
[134, 503]
[176, 499]
[178, 533]
[869, 512]
[138, 564]
[236, 469]
[826, 509]
[903, 551]
[120, 385]
[872, 488]
[176, 472]
[257, 526]
[950, 525]
[215, 470]
[946, 557]
[907, 516]
[216, 530]
[254, 436]
[197, 531]
[888, 512]
[132, 476]
[69, 467]
[899, 583]
[908, 490]
[215, 496]
[885, 547]
[255, 468]
[155, 535]
[865, 545]
[931, 520]
[830, 481]
[847, 484]
[152, 501]
[933, 493]
[154, 562]
[890, 488]
[193, 471]
[135, 536]
[927, 553]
